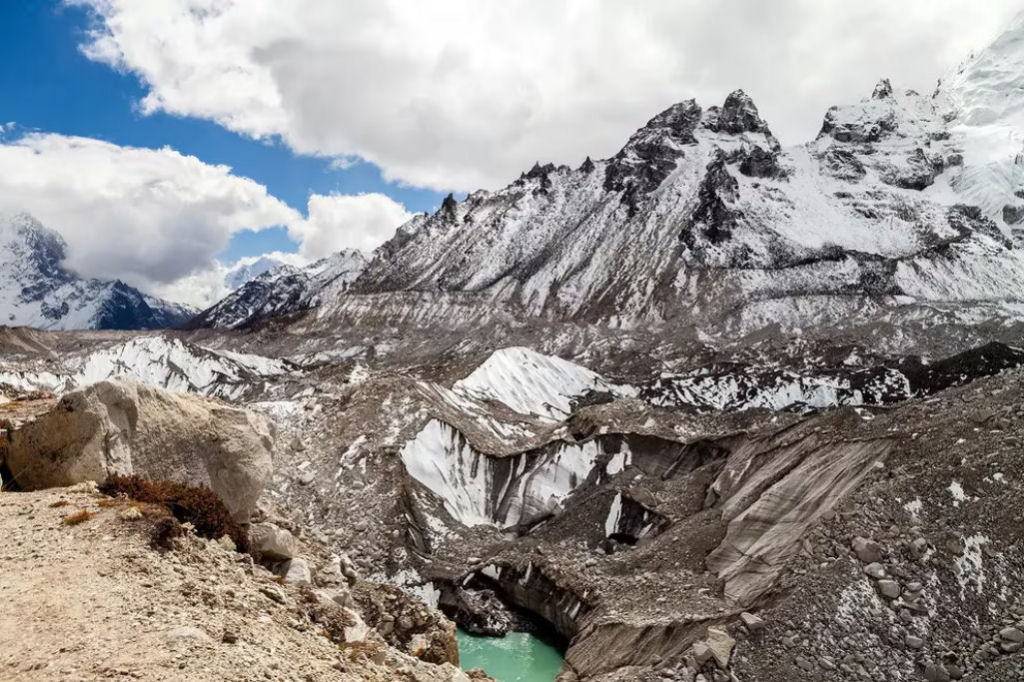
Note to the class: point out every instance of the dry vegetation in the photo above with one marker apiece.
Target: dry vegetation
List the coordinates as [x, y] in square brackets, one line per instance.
[196, 505]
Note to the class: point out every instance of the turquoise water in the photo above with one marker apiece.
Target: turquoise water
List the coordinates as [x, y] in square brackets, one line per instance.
[516, 657]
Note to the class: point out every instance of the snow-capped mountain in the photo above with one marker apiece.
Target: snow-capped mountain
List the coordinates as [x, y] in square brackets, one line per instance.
[36, 289]
[703, 215]
[248, 270]
[284, 290]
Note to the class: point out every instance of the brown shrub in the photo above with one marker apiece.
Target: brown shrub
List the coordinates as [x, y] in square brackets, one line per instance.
[109, 502]
[78, 517]
[60, 503]
[197, 505]
[163, 532]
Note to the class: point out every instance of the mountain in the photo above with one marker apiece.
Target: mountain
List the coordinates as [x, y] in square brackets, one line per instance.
[704, 218]
[283, 290]
[905, 209]
[36, 289]
[248, 270]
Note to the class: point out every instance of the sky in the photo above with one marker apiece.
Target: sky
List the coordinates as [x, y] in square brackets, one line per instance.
[168, 139]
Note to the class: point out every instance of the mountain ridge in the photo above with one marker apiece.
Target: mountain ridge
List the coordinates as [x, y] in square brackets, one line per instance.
[37, 290]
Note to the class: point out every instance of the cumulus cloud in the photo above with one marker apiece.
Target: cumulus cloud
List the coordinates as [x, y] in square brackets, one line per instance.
[214, 280]
[157, 219]
[461, 94]
[337, 221]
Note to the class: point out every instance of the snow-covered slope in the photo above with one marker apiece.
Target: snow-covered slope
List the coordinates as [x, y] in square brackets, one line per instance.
[247, 270]
[284, 290]
[704, 220]
[37, 291]
[158, 361]
[984, 100]
[532, 383]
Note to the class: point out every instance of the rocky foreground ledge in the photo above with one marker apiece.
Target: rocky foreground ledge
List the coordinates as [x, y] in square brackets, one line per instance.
[94, 600]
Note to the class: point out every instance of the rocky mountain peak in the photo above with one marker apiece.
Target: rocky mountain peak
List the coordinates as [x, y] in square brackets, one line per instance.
[882, 90]
[736, 116]
[37, 289]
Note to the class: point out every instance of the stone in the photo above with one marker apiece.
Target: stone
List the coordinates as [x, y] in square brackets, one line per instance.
[1011, 635]
[1011, 647]
[131, 514]
[890, 589]
[118, 427]
[914, 642]
[875, 570]
[272, 542]
[752, 622]
[721, 645]
[227, 543]
[936, 672]
[188, 635]
[295, 571]
[305, 477]
[868, 551]
[272, 593]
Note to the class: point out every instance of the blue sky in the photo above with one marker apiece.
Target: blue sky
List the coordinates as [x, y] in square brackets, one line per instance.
[48, 85]
[128, 113]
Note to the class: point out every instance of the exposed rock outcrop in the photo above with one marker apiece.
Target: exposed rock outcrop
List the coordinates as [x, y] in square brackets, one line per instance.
[114, 427]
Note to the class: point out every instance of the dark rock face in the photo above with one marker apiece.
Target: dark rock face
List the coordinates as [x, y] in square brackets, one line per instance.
[631, 521]
[738, 115]
[921, 173]
[843, 164]
[712, 219]
[758, 163]
[969, 219]
[1013, 215]
[652, 153]
[477, 611]
[448, 207]
[882, 90]
[126, 308]
[860, 131]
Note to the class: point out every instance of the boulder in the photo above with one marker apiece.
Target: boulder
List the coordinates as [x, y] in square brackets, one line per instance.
[295, 571]
[720, 644]
[115, 427]
[868, 551]
[272, 542]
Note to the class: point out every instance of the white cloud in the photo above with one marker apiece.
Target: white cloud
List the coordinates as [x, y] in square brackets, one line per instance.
[213, 280]
[338, 221]
[157, 219]
[461, 94]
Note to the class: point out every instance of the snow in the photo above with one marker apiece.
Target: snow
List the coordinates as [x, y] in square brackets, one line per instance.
[37, 291]
[957, 491]
[611, 523]
[532, 383]
[969, 567]
[164, 362]
[466, 480]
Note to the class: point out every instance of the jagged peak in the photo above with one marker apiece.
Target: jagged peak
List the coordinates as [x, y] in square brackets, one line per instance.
[883, 89]
[737, 115]
[448, 206]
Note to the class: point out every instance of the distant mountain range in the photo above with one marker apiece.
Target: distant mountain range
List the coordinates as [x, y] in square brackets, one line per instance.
[37, 290]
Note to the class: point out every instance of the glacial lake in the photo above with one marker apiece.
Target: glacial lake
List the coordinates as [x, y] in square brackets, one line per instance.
[516, 657]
